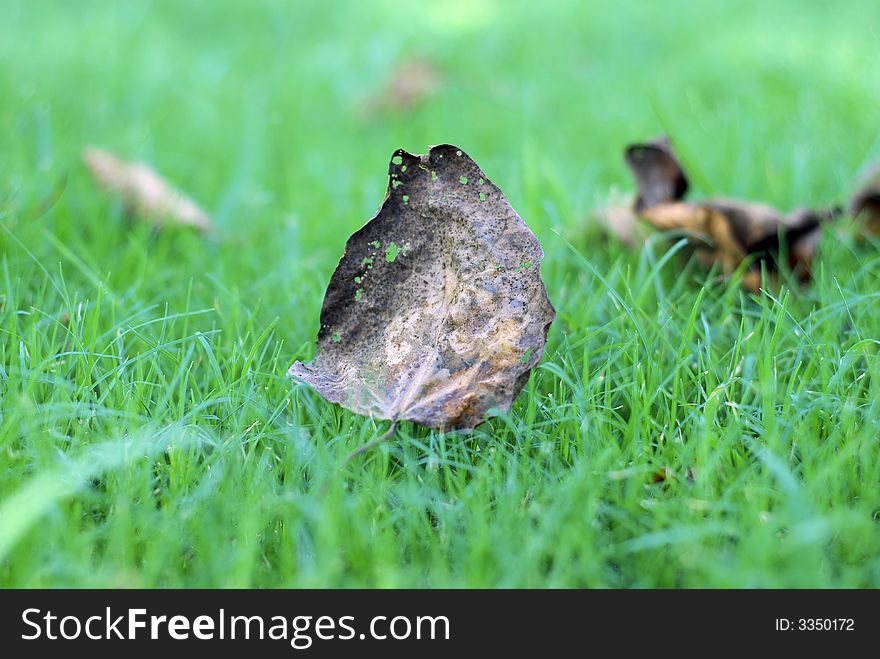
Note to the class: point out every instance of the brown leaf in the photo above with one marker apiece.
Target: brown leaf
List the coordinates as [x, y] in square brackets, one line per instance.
[729, 231]
[619, 219]
[658, 174]
[661, 475]
[865, 203]
[144, 192]
[758, 227]
[717, 242]
[802, 252]
[437, 311]
[411, 82]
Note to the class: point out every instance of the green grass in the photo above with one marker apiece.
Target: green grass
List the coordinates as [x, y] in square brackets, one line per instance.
[155, 440]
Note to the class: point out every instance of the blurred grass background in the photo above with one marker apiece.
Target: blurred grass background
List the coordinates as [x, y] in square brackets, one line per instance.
[154, 439]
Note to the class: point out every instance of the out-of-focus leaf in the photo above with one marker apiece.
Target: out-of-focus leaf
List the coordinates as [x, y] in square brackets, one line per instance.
[661, 475]
[728, 231]
[618, 217]
[410, 83]
[437, 311]
[144, 192]
[658, 174]
[865, 203]
[801, 230]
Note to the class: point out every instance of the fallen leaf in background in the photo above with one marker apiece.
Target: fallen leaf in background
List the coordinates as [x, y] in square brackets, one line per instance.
[661, 475]
[657, 171]
[618, 217]
[732, 231]
[411, 82]
[801, 230]
[437, 311]
[865, 203]
[715, 241]
[144, 192]
[727, 231]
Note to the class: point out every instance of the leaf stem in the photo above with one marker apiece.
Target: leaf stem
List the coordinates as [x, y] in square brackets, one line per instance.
[381, 439]
[384, 437]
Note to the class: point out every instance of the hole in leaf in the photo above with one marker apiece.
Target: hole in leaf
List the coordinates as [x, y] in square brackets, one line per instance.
[391, 252]
[462, 179]
[397, 160]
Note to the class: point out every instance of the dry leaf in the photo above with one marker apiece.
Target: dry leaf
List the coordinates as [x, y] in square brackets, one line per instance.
[619, 219]
[144, 192]
[658, 174]
[729, 231]
[803, 251]
[661, 475]
[801, 230]
[437, 311]
[411, 82]
[732, 231]
[865, 203]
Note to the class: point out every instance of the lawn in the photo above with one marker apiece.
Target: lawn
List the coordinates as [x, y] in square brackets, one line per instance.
[679, 431]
